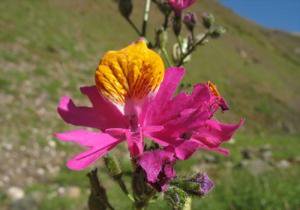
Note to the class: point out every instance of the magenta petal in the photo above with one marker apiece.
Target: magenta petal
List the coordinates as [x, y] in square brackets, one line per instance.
[153, 163]
[224, 131]
[119, 133]
[213, 133]
[179, 5]
[81, 116]
[85, 159]
[172, 78]
[169, 171]
[186, 149]
[97, 143]
[135, 143]
[153, 112]
[103, 114]
[220, 150]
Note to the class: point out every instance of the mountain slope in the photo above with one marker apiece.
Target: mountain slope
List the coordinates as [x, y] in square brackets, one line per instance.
[49, 48]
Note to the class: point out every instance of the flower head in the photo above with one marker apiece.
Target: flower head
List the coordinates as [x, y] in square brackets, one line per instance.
[204, 182]
[125, 80]
[187, 121]
[126, 106]
[179, 5]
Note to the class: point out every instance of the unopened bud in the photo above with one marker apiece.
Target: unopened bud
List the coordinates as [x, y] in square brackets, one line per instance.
[177, 197]
[125, 7]
[177, 24]
[200, 184]
[113, 166]
[141, 189]
[217, 31]
[98, 198]
[208, 20]
[164, 7]
[190, 20]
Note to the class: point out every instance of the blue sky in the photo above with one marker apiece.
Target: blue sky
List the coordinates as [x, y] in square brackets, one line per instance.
[276, 14]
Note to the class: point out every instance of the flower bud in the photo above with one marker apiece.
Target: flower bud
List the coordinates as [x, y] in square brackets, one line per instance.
[125, 7]
[177, 24]
[164, 6]
[199, 185]
[190, 20]
[217, 31]
[98, 199]
[177, 197]
[141, 189]
[208, 20]
[113, 166]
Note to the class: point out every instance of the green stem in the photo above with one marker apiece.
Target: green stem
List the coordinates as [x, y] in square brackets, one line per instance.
[146, 17]
[166, 55]
[134, 26]
[123, 187]
[180, 45]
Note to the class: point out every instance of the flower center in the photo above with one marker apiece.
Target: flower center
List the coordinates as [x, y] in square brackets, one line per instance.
[132, 72]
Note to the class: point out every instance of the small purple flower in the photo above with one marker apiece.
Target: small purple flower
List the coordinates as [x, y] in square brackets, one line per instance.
[205, 183]
[199, 185]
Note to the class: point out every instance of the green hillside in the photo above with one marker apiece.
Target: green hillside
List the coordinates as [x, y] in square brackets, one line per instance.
[49, 48]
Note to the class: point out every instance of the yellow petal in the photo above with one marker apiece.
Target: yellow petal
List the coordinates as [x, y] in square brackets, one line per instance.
[132, 72]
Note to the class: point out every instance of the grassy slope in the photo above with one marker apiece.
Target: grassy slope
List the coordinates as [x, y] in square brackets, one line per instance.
[71, 36]
[50, 48]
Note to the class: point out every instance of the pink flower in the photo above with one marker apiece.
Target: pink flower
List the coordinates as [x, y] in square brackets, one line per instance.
[125, 80]
[187, 121]
[125, 106]
[179, 5]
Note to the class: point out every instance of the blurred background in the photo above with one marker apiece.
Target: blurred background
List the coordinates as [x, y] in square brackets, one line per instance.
[51, 48]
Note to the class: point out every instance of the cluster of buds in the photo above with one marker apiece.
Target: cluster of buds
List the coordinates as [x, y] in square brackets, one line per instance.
[178, 198]
[199, 185]
[180, 191]
[215, 31]
[174, 11]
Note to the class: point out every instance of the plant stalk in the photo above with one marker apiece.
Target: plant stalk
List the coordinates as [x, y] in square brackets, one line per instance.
[133, 26]
[146, 17]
